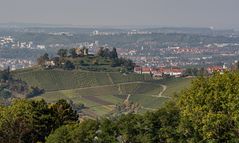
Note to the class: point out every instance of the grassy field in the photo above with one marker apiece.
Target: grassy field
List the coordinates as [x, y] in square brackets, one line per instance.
[120, 78]
[101, 91]
[173, 86]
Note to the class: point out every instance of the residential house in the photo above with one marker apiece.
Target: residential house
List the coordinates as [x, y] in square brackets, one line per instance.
[212, 69]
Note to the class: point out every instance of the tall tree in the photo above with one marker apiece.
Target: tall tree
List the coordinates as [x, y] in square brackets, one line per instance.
[45, 57]
[209, 109]
[31, 121]
[114, 54]
[68, 65]
[62, 52]
[73, 53]
[64, 112]
[15, 122]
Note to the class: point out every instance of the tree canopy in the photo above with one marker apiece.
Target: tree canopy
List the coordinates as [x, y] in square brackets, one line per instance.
[209, 109]
[31, 121]
[62, 52]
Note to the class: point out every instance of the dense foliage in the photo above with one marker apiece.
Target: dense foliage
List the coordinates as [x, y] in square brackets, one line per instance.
[10, 87]
[152, 127]
[209, 109]
[205, 112]
[31, 121]
[78, 58]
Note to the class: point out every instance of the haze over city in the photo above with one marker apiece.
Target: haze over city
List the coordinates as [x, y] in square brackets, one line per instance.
[220, 14]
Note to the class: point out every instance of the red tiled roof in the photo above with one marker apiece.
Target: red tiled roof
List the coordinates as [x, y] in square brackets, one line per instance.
[215, 68]
[137, 69]
[146, 69]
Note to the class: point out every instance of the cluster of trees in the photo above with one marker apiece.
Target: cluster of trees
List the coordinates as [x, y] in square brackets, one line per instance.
[9, 87]
[209, 109]
[34, 91]
[205, 112]
[42, 59]
[106, 53]
[66, 60]
[63, 60]
[72, 52]
[56, 62]
[196, 72]
[7, 83]
[152, 127]
[126, 64]
[5, 75]
[31, 121]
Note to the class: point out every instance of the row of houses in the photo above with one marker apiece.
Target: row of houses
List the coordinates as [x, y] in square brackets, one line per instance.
[160, 72]
[174, 71]
[220, 69]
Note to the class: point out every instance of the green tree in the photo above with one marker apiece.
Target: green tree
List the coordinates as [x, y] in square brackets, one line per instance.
[45, 57]
[16, 122]
[193, 72]
[209, 109]
[60, 135]
[5, 75]
[73, 53]
[43, 121]
[34, 91]
[41, 61]
[85, 132]
[5, 93]
[62, 53]
[64, 112]
[131, 129]
[114, 54]
[57, 61]
[31, 121]
[108, 131]
[68, 65]
[163, 123]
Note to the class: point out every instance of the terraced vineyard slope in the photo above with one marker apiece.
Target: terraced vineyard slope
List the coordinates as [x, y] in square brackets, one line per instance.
[101, 91]
[53, 80]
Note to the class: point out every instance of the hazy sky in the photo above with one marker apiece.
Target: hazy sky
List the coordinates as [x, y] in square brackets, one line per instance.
[193, 13]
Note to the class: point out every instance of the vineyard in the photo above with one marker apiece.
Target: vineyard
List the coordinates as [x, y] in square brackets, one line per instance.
[101, 100]
[53, 80]
[101, 91]
[121, 78]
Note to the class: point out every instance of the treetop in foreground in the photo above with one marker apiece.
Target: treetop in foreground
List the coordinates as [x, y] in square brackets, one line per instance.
[209, 109]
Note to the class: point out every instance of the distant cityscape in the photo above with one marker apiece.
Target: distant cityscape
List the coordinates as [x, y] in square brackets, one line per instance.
[150, 48]
[10, 42]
